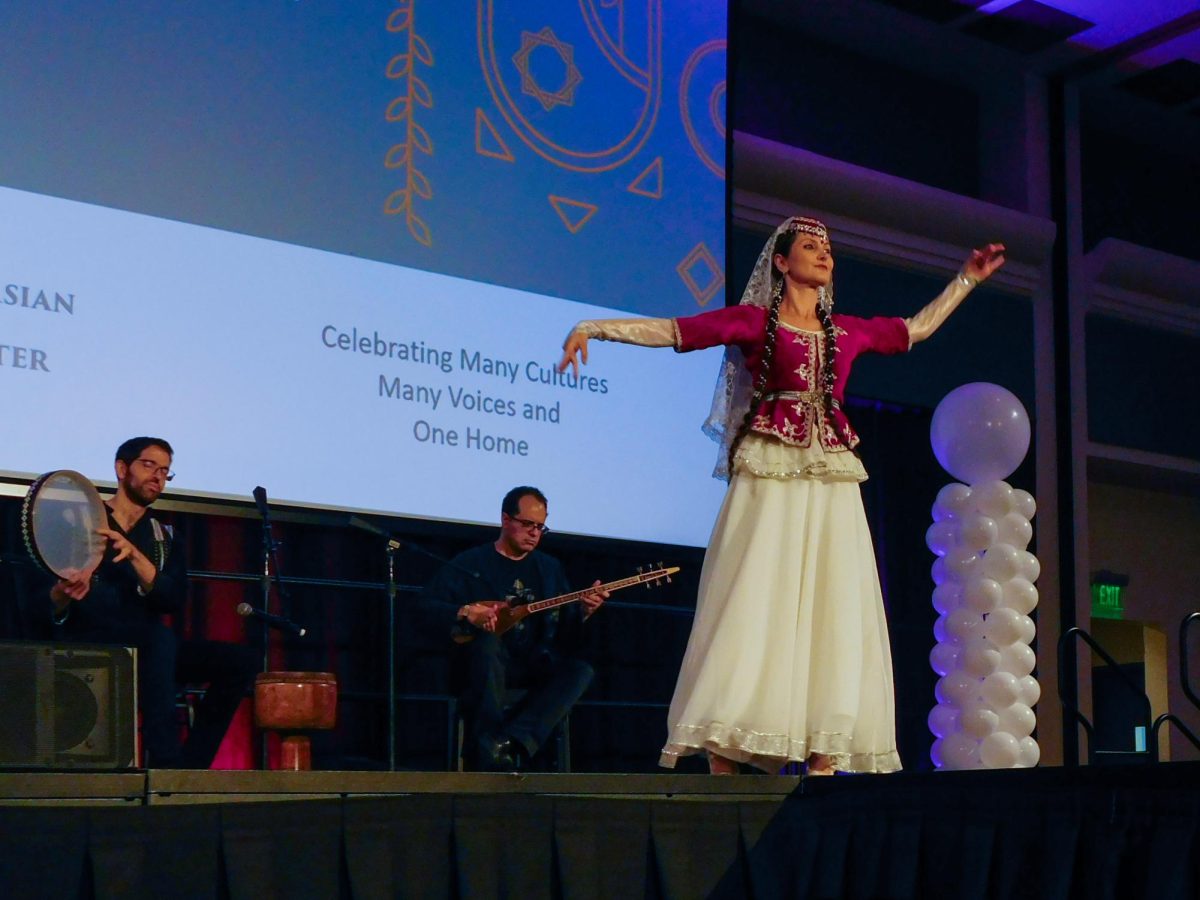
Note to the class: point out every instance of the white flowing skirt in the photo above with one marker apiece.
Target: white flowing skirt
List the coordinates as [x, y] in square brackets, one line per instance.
[789, 651]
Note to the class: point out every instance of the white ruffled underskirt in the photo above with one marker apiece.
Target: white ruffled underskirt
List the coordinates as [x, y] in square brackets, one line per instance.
[768, 458]
[789, 651]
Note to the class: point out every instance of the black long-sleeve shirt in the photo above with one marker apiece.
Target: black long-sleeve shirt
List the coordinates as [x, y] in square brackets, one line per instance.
[115, 598]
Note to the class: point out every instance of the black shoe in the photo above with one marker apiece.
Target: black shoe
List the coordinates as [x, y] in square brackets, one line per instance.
[503, 755]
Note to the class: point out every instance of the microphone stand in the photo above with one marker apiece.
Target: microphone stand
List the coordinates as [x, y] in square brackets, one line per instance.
[394, 544]
[269, 559]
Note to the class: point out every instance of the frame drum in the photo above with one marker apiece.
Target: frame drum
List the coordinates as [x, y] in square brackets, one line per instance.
[59, 518]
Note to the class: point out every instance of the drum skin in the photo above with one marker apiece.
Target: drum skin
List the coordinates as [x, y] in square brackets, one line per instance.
[59, 520]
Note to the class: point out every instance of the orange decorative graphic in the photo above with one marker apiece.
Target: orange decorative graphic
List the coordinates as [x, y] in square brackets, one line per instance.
[701, 258]
[564, 94]
[414, 96]
[574, 213]
[715, 105]
[637, 81]
[488, 141]
[614, 50]
[650, 182]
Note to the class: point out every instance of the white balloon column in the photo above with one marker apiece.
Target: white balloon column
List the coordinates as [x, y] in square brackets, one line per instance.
[984, 578]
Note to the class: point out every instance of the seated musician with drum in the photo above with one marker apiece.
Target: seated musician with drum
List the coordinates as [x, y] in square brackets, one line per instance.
[540, 653]
[142, 576]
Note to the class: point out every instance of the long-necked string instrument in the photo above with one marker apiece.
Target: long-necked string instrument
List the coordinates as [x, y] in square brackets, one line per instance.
[507, 615]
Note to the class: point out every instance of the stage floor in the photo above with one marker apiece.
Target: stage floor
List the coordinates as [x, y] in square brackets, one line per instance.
[180, 786]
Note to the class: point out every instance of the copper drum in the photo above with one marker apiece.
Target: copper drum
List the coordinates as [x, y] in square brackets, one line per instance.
[291, 701]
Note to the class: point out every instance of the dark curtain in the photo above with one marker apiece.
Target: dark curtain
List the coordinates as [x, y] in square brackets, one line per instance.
[1044, 833]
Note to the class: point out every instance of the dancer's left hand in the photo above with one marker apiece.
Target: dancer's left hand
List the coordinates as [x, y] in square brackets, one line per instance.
[984, 261]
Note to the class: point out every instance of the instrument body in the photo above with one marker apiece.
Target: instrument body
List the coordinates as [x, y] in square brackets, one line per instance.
[60, 517]
[508, 616]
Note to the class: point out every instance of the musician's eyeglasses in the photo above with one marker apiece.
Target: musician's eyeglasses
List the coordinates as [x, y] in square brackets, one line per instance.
[152, 468]
[530, 525]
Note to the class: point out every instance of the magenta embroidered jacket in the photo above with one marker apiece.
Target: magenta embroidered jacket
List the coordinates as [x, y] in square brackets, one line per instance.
[795, 365]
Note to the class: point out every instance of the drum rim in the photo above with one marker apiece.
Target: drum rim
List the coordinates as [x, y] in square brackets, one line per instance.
[27, 536]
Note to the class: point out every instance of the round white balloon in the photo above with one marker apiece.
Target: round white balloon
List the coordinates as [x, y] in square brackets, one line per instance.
[1027, 629]
[957, 688]
[978, 722]
[1030, 691]
[980, 658]
[993, 498]
[962, 563]
[982, 595]
[1020, 595]
[943, 720]
[943, 658]
[977, 532]
[1029, 754]
[941, 536]
[979, 432]
[935, 754]
[1024, 503]
[952, 502]
[948, 597]
[1000, 750]
[1001, 690]
[1003, 627]
[1018, 720]
[1030, 567]
[1017, 658]
[1002, 562]
[1014, 529]
[963, 624]
[960, 752]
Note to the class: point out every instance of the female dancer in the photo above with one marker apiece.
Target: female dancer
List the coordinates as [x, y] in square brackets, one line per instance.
[788, 658]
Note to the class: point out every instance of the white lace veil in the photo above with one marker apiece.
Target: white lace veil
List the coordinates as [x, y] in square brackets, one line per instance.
[735, 384]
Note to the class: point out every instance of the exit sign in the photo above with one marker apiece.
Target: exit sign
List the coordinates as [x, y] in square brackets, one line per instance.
[1108, 600]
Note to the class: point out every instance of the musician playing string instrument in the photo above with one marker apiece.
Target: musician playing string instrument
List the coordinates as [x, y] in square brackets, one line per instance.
[541, 653]
[142, 576]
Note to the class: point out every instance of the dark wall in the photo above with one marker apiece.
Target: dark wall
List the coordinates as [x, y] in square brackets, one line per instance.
[1139, 190]
[797, 90]
[1142, 387]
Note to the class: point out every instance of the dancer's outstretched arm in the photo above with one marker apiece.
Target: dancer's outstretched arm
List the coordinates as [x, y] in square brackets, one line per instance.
[978, 267]
[643, 332]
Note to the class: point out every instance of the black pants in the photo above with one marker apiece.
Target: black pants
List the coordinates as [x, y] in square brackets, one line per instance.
[164, 662]
[553, 685]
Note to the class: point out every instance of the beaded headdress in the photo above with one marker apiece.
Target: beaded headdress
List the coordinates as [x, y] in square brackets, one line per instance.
[806, 225]
[735, 383]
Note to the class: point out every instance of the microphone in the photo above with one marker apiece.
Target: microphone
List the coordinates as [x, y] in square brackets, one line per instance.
[247, 611]
[372, 528]
[260, 500]
[395, 543]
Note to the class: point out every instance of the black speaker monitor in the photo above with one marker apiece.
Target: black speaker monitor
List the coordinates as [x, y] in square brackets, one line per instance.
[68, 706]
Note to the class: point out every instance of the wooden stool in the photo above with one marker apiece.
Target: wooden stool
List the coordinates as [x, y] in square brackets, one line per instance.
[292, 701]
